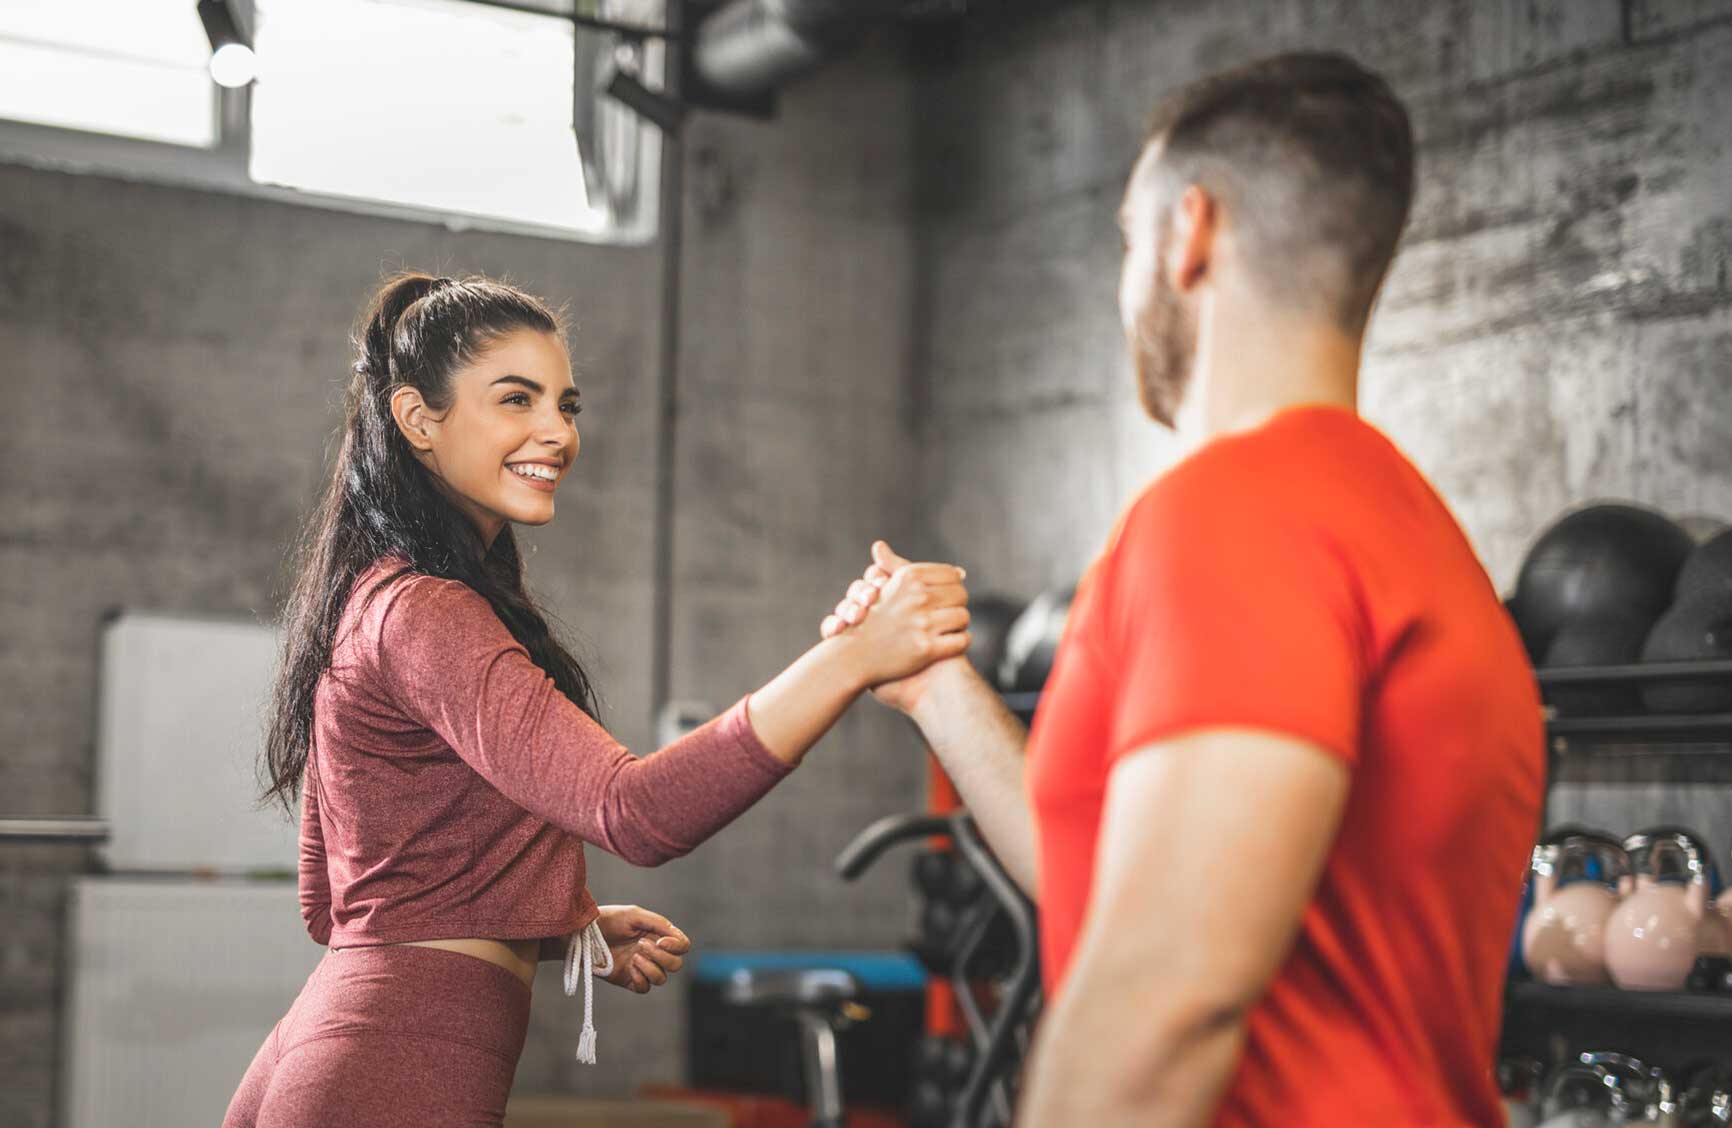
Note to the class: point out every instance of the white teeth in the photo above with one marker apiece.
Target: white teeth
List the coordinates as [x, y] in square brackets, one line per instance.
[534, 470]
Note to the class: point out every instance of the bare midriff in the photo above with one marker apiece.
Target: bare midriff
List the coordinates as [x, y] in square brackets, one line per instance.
[519, 957]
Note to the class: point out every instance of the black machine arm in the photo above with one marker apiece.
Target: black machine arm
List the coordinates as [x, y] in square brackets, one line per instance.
[857, 857]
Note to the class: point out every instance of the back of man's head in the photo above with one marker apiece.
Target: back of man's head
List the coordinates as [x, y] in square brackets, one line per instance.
[1310, 157]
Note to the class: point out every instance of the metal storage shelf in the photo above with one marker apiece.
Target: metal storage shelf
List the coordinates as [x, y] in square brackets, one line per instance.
[1637, 674]
[1572, 734]
[1669, 1029]
[1647, 728]
[1617, 1006]
[1652, 729]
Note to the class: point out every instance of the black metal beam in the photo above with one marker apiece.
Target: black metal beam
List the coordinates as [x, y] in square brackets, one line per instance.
[594, 23]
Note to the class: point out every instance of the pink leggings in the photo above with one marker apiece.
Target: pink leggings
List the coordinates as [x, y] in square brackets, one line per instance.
[388, 1036]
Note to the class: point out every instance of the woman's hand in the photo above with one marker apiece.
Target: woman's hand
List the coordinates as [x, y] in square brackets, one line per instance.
[920, 615]
[904, 693]
[919, 619]
[646, 947]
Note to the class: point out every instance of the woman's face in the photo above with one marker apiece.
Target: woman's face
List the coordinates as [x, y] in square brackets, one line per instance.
[509, 435]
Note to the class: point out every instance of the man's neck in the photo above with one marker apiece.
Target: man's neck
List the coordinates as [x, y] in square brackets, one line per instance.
[1255, 364]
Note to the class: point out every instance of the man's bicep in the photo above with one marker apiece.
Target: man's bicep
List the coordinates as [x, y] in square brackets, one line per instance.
[1211, 846]
[1235, 617]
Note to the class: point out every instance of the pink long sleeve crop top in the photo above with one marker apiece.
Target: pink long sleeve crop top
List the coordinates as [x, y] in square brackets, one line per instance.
[450, 786]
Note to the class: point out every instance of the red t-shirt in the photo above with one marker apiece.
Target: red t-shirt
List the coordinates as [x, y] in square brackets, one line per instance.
[1304, 579]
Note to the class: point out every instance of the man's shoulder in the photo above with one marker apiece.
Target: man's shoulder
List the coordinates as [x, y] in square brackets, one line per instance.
[1235, 477]
[1305, 466]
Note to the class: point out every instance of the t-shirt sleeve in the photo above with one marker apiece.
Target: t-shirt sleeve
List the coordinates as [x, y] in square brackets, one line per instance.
[1233, 608]
[449, 662]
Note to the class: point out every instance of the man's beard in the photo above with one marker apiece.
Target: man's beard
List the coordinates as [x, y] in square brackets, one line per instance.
[1165, 350]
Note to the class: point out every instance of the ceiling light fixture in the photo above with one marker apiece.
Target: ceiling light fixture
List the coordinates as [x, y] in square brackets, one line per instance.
[232, 62]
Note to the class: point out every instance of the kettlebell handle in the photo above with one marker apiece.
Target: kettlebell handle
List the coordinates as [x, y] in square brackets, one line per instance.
[1654, 845]
[1555, 850]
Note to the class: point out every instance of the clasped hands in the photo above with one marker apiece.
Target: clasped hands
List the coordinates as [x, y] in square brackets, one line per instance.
[925, 602]
[907, 620]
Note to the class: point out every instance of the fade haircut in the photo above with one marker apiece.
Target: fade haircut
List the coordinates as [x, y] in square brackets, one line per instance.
[1311, 157]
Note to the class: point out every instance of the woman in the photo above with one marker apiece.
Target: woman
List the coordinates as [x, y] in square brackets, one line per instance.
[445, 744]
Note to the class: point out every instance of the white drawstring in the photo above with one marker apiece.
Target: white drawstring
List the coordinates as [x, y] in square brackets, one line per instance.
[588, 949]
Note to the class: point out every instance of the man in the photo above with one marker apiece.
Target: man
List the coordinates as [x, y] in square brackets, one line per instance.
[1286, 772]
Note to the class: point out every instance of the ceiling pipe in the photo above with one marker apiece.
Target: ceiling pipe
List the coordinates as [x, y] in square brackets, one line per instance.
[747, 49]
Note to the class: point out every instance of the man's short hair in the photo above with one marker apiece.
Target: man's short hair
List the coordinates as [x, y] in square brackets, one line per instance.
[1311, 155]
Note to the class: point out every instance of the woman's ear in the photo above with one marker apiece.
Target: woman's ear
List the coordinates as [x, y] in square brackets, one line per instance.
[413, 418]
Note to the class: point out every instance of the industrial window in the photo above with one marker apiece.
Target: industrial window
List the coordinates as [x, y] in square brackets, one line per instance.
[130, 68]
[449, 110]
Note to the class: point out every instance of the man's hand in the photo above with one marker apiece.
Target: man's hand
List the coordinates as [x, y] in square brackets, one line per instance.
[903, 694]
[646, 947]
[977, 740]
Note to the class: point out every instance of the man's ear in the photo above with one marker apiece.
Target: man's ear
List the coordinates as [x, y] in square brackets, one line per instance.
[1194, 227]
[413, 418]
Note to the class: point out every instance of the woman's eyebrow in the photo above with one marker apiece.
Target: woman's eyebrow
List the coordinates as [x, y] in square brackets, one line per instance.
[524, 380]
[569, 393]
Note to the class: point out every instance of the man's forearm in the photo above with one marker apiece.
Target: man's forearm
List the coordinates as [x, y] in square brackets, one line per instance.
[981, 745]
[1165, 1068]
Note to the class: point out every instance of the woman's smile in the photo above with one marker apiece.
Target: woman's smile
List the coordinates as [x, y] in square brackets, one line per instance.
[537, 475]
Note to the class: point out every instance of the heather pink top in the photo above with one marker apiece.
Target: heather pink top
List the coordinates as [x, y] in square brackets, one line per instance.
[450, 787]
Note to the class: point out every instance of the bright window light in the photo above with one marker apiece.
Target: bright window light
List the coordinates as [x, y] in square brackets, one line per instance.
[133, 68]
[439, 104]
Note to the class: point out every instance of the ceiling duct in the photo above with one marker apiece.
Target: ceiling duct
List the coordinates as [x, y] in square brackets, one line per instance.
[746, 49]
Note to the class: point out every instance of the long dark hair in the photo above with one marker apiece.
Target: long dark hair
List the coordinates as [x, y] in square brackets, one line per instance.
[417, 331]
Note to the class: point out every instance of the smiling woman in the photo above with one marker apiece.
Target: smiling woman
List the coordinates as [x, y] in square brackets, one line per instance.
[445, 745]
[421, 476]
[510, 423]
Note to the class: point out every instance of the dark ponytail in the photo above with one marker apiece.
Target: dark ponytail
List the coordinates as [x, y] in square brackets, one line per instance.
[417, 330]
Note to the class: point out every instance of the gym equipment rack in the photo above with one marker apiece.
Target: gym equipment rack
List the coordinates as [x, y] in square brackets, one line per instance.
[1671, 1029]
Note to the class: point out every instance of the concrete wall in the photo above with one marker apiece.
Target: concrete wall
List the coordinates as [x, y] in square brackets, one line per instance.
[173, 365]
[172, 362]
[795, 449]
[1557, 327]
[1554, 330]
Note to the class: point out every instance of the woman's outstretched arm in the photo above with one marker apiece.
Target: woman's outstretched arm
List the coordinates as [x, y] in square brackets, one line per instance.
[447, 660]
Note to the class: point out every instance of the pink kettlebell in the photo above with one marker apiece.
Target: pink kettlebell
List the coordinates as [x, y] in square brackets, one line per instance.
[1575, 883]
[1655, 935]
[1717, 926]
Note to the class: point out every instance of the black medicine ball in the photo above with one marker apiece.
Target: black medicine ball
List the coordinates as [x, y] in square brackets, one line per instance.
[1604, 560]
[1707, 572]
[1536, 653]
[1692, 630]
[1033, 641]
[1598, 640]
[990, 618]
